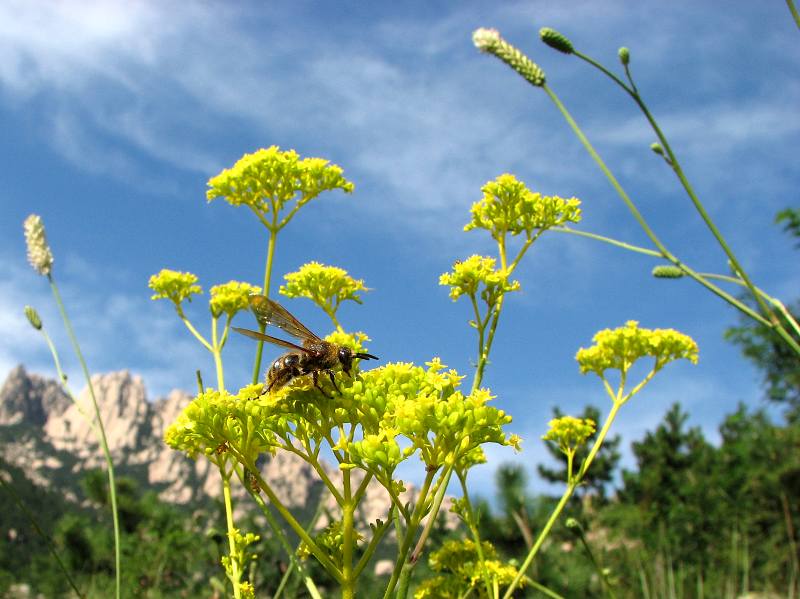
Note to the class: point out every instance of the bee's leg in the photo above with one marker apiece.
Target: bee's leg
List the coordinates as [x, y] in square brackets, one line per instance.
[333, 382]
[316, 384]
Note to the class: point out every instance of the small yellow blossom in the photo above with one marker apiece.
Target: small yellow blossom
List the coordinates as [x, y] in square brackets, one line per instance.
[174, 285]
[569, 432]
[232, 297]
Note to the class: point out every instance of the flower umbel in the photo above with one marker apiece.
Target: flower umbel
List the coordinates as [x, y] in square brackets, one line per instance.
[569, 432]
[230, 298]
[39, 254]
[268, 179]
[469, 275]
[174, 285]
[326, 286]
[508, 206]
[618, 349]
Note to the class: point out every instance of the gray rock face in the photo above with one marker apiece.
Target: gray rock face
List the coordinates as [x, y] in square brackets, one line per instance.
[52, 439]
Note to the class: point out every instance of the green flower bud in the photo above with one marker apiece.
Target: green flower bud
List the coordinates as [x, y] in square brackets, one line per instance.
[489, 40]
[174, 285]
[573, 524]
[667, 271]
[556, 40]
[230, 298]
[33, 317]
[39, 255]
[656, 148]
[624, 55]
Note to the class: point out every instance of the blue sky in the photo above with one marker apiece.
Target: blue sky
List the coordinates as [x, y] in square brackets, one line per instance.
[114, 116]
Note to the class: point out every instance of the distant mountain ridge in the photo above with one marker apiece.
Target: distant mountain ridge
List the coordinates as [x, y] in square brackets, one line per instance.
[43, 433]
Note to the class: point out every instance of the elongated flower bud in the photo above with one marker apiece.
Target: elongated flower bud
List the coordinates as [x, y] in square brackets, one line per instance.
[624, 55]
[33, 317]
[667, 271]
[39, 254]
[556, 40]
[489, 40]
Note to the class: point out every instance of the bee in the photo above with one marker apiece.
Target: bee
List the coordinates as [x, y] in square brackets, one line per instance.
[313, 357]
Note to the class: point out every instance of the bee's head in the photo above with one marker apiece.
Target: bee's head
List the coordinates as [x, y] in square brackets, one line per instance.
[346, 356]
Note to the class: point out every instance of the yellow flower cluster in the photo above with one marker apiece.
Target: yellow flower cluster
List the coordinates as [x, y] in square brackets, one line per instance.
[39, 255]
[231, 298]
[459, 572]
[174, 285]
[268, 179]
[324, 285]
[619, 348]
[569, 432]
[508, 206]
[469, 275]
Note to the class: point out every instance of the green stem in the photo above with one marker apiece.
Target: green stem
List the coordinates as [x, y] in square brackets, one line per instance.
[793, 10]
[673, 162]
[476, 537]
[542, 536]
[348, 540]
[48, 541]
[216, 350]
[374, 542]
[103, 440]
[226, 493]
[571, 485]
[665, 253]
[193, 330]
[295, 525]
[273, 235]
[609, 240]
[294, 562]
[411, 531]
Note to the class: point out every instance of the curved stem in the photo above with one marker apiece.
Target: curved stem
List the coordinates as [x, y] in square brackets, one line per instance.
[673, 162]
[112, 488]
[609, 240]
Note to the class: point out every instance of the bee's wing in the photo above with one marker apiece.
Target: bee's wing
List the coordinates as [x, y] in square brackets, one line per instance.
[268, 339]
[270, 312]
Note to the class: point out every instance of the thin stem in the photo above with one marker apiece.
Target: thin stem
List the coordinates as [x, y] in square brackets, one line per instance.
[476, 537]
[193, 330]
[48, 541]
[666, 254]
[609, 240]
[294, 562]
[216, 350]
[334, 571]
[411, 530]
[374, 542]
[542, 536]
[793, 10]
[234, 561]
[348, 538]
[103, 440]
[273, 236]
[673, 162]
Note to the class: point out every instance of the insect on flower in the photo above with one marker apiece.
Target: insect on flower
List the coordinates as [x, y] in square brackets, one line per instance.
[315, 355]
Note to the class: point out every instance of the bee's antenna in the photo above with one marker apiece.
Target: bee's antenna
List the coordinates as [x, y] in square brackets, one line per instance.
[364, 356]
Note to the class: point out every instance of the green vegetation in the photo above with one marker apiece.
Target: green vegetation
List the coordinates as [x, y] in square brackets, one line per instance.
[693, 519]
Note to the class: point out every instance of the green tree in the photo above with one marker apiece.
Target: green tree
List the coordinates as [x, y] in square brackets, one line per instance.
[671, 490]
